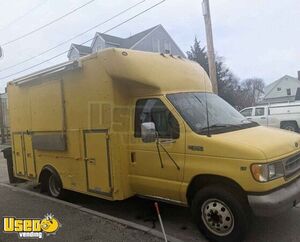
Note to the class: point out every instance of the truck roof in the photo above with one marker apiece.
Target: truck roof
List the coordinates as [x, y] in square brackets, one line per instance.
[161, 72]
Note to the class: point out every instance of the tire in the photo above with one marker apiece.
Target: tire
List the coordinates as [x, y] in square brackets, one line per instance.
[52, 185]
[291, 126]
[220, 214]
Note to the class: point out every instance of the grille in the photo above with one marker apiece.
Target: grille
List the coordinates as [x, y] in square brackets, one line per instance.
[292, 165]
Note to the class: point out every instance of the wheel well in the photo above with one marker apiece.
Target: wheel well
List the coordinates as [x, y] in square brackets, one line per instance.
[46, 172]
[201, 181]
[288, 121]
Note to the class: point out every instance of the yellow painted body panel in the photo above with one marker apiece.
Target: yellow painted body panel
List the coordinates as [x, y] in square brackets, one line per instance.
[19, 163]
[97, 162]
[101, 96]
[29, 156]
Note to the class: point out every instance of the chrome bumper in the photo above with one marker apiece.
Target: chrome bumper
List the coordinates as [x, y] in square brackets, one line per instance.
[276, 202]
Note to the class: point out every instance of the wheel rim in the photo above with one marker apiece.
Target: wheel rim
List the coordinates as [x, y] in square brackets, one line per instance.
[217, 217]
[290, 128]
[54, 186]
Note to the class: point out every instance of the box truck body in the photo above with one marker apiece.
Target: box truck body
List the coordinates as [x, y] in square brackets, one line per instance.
[120, 123]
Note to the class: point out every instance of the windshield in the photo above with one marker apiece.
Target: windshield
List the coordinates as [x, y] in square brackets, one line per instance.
[222, 117]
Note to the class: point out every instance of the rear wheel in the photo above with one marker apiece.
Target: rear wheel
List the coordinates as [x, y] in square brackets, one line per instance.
[220, 214]
[52, 184]
[291, 126]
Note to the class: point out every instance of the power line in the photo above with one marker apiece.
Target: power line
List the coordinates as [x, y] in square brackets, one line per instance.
[74, 37]
[48, 24]
[62, 53]
[23, 16]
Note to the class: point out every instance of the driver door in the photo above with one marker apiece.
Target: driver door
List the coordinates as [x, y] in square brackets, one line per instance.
[152, 171]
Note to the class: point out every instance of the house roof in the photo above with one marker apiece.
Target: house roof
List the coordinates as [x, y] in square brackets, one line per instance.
[127, 43]
[111, 39]
[83, 49]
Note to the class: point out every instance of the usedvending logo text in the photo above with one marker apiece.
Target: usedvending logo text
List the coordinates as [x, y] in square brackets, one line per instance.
[31, 228]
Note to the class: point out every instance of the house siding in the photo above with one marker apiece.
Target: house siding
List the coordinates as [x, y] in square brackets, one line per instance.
[99, 44]
[157, 41]
[110, 45]
[277, 92]
[74, 55]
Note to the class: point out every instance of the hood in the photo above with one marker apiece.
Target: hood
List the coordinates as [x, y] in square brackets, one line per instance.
[273, 143]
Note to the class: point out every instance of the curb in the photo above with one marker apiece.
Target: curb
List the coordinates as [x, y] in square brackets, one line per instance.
[127, 223]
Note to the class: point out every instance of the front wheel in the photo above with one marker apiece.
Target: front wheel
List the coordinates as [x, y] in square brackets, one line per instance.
[220, 214]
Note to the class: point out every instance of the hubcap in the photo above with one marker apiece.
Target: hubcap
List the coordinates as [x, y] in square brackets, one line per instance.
[217, 217]
[54, 186]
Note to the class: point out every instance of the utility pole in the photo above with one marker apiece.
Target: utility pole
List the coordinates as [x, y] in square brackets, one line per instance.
[210, 46]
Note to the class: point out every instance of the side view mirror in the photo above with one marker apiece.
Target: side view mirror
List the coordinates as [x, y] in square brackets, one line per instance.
[148, 132]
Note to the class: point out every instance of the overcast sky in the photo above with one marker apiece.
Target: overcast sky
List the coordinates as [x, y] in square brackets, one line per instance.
[257, 38]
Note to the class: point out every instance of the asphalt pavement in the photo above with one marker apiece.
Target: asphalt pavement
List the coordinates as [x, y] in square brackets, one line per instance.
[76, 225]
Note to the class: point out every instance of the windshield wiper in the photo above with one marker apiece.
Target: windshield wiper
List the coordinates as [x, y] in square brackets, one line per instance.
[219, 126]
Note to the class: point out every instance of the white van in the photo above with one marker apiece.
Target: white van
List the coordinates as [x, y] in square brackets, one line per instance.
[283, 115]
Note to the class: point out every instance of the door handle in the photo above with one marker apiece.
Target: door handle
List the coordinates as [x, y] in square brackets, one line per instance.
[133, 158]
[263, 118]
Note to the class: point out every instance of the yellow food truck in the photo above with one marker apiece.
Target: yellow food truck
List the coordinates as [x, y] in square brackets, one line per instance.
[120, 123]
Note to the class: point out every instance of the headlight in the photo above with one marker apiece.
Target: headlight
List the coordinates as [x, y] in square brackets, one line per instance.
[267, 172]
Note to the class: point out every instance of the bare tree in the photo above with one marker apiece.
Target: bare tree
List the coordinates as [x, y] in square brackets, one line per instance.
[252, 90]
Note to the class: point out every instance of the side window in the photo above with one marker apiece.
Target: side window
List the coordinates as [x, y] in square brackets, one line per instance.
[153, 110]
[259, 111]
[247, 112]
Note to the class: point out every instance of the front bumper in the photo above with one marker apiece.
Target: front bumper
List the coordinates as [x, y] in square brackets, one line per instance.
[277, 201]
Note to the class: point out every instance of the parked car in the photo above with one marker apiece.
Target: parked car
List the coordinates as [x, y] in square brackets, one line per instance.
[120, 123]
[283, 115]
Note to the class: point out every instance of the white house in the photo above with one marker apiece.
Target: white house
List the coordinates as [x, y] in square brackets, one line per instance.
[282, 90]
[155, 39]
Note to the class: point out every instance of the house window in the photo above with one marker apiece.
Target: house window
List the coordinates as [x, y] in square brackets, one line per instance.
[278, 89]
[288, 92]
